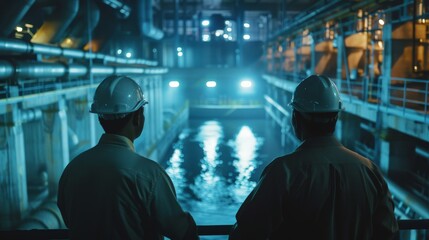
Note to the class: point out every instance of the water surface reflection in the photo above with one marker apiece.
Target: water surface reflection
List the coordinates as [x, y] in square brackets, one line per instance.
[216, 163]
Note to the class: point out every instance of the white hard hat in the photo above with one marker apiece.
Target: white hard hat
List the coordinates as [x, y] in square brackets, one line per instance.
[316, 94]
[116, 96]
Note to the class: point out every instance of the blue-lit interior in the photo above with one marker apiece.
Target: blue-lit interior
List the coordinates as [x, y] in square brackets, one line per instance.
[219, 77]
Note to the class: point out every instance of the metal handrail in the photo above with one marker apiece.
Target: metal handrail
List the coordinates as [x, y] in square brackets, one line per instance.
[203, 230]
[404, 93]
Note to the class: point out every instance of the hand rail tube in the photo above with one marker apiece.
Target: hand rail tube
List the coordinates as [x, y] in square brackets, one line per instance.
[207, 230]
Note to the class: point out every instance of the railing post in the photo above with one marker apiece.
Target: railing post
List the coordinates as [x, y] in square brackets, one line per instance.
[13, 177]
[404, 96]
[57, 145]
[426, 100]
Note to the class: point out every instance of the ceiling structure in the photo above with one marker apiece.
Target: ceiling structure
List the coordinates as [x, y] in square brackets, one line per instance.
[75, 23]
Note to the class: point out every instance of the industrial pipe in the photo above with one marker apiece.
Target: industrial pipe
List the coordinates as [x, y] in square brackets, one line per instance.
[144, 18]
[47, 216]
[422, 152]
[55, 26]
[39, 69]
[31, 69]
[31, 115]
[14, 46]
[6, 69]
[83, 25]
[421, 208]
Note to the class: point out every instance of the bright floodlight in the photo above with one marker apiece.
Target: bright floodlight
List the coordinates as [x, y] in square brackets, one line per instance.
[128, 54]
[174, 84]
[180, 54]
[179, 49]
[205, 22]
[246, 36]
[246, 25]
[119, 51]
[206, 37]
[218, 33]
[229, 29]
[381, 22]
[246, 84]
[211, 84]
[19, 29]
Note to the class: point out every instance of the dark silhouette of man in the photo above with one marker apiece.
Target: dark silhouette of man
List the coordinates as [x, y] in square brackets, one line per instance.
[110, 191]
[322, 190]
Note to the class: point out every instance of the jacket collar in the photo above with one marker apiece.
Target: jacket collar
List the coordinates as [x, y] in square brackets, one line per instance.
[116, 140]
[317, 142]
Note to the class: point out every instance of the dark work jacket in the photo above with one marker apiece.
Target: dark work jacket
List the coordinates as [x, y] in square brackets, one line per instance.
[320, 191]
[111, 192]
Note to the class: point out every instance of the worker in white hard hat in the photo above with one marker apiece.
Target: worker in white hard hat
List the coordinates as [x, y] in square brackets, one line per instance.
[110, 191]
[322, 190]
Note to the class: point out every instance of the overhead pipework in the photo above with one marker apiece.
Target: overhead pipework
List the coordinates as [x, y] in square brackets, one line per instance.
[123, 9]
[145, 20]
[83, 25]
[53, 29]
[14, 46]
[32, 69]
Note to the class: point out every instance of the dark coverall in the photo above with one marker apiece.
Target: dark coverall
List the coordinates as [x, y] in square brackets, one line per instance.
[111, 192]
[320, 191]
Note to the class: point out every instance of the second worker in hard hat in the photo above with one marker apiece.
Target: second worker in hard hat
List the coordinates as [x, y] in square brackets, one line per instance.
[322, 190]
[110, 191]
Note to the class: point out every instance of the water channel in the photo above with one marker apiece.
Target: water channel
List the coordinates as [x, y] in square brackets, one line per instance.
[215, 163]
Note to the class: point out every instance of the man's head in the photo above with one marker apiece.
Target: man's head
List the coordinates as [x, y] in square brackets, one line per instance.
[316, 103]
[119, 101]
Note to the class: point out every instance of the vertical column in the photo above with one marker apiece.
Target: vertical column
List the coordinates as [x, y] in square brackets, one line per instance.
[340, 49]
[13, 179]
[176, 32]
[283, 59]
[92, 119]
[159, 108]
[382, 147]
[387, 63]
[295, 63]
[156, 108]
[339, 41]
[57, 147]
[239, 20]
[187, 51]
[152, 111]
[313, 55]
[145, 135]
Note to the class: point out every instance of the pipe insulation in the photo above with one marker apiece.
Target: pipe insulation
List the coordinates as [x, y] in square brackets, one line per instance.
[32, 69]
[15, 46]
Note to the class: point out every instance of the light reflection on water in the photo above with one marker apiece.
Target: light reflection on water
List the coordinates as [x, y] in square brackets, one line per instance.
[215, 164]
[246, 145]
